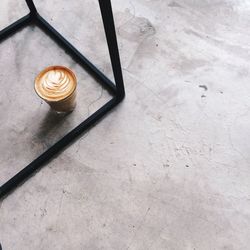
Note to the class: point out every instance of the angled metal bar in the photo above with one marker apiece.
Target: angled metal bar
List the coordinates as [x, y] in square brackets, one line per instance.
[109, 27]
[117, 90]
[55, 149]
[22, 22]
[31, 6]
[91, 68]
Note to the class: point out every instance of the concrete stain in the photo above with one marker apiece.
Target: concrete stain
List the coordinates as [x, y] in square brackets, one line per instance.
[203, 87]
[136, 28]
[174, 4]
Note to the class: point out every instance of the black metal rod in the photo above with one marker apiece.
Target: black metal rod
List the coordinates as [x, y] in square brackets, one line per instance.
[15, 27]
[91, 68]
[32, 7]
[55, 149]
[117, 90]
[109, 27]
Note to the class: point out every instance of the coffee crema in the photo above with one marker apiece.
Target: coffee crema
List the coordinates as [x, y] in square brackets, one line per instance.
[55, 83]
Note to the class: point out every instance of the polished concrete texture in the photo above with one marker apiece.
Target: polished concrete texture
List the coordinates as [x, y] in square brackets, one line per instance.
[170, 167]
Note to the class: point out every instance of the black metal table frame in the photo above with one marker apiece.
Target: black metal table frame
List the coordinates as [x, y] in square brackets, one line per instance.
[117, 89]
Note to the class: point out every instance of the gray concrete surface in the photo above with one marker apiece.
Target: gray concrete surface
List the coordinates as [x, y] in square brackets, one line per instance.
[170, 167]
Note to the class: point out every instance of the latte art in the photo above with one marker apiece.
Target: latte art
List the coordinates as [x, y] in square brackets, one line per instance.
[55, 83]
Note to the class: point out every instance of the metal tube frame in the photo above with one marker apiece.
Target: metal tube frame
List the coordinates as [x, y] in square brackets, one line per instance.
[116, 89]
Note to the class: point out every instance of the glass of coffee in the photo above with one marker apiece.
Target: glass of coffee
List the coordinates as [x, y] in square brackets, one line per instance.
[56, 85]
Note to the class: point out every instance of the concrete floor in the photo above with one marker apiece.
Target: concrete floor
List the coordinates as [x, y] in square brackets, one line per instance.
[169, 168]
